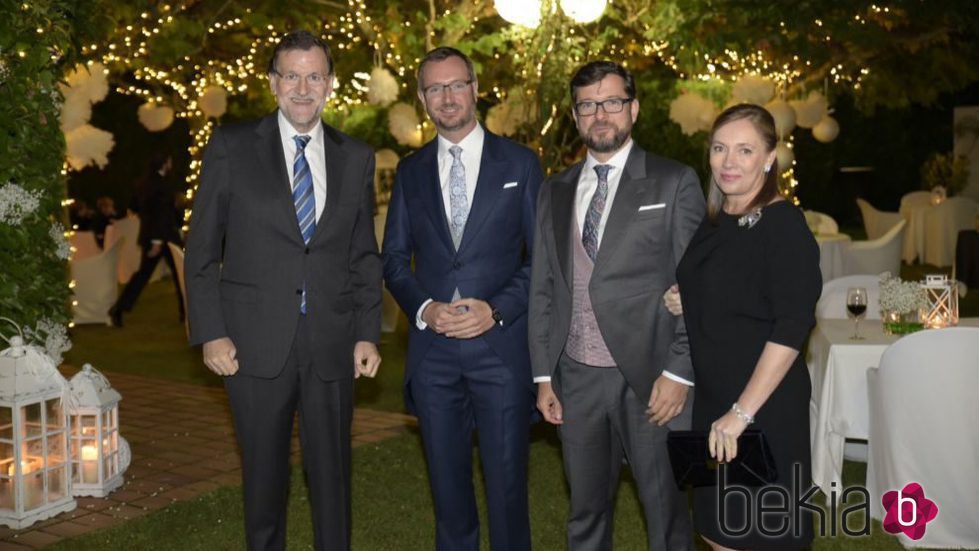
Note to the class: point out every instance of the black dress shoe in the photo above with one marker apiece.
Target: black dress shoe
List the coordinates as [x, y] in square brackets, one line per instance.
[115, 315]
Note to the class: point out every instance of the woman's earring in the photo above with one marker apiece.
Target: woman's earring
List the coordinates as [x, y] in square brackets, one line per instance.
[767, 168]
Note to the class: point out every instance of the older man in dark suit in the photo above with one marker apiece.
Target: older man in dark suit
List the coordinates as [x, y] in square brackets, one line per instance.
[284, 288]
[612, 364]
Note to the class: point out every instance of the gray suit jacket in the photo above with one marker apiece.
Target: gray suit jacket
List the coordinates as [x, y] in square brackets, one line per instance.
[246, 260]
[636, 263]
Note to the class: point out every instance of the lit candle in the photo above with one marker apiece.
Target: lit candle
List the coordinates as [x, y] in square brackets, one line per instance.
[90, 464]
[32, 489]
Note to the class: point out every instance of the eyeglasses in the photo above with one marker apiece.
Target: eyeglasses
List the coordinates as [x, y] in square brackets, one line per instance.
[292, 79]
[455, 87]
[611, 105]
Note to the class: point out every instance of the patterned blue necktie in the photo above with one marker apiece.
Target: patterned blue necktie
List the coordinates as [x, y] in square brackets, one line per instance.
[458, 202]
[302, 196]
[589, 235]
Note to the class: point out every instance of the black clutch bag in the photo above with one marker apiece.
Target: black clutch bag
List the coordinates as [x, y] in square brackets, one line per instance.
[693, 465]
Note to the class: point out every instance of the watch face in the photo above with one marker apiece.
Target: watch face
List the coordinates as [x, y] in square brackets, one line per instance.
[497, 316]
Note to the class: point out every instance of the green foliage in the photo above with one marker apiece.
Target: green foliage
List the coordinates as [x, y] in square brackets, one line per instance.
[948, 170]
[38, 41]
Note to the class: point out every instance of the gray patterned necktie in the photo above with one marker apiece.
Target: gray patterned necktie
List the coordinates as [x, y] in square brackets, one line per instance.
[589, 234]
[458, 202]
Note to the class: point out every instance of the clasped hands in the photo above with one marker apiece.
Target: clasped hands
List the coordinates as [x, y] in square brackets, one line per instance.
[460, 319]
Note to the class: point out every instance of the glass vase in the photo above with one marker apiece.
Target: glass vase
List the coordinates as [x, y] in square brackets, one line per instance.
[901, 323]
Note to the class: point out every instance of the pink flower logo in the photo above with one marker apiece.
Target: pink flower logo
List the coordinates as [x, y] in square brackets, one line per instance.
[908, 511]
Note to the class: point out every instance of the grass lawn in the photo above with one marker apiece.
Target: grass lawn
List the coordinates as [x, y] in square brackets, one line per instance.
[391, 501]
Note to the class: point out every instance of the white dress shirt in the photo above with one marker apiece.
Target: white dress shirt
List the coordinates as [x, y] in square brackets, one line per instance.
[315, 158]
[472, 154]
[587, 184]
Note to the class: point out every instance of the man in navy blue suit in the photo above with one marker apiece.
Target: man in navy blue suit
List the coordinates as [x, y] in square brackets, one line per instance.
[456, 253]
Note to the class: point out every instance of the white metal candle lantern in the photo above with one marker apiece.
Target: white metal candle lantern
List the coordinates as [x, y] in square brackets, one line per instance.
[34, 482]
[99, 455]
[943, 302]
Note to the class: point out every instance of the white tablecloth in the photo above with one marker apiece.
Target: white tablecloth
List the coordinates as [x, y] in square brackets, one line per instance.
[831, 247]
[838, 410]
[914, 232]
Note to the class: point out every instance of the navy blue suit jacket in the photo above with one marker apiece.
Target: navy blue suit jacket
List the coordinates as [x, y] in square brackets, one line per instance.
[493, 260]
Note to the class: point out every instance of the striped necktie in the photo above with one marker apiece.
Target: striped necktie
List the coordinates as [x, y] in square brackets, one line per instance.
[302, 196]
[589, 235]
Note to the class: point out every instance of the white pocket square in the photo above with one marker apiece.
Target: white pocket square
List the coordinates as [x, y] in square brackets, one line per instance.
[510, 185]
[651, 207]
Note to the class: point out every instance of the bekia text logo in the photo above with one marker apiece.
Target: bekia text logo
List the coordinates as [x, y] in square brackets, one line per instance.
[908, 511]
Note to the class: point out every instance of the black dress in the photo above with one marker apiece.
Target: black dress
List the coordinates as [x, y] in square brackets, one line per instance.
[741, 287]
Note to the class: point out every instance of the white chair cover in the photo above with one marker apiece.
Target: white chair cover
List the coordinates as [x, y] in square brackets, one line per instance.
[876, 255]
[127, 227]
[95, 285]
[821, 223]
[923, 413]
[389, 307]
[876, 222]
[943, 222]
[832, 303]
[178, 263]
[84, 244]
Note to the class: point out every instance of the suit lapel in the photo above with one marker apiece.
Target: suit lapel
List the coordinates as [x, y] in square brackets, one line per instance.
[427, 176]
[562, 215]
[336, 159]
[632, 188]
[269, 152]
[488, 188]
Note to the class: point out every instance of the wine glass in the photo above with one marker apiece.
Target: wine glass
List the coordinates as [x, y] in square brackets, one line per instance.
[856, 308]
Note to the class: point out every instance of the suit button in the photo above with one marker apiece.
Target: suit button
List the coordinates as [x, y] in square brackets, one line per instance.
[307, 250]
[457, 265]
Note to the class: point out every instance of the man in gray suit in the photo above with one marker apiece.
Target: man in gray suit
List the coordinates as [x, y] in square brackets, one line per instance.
[611, 363]
[284, 288]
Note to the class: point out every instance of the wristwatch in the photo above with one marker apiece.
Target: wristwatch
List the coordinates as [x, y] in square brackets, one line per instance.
[497, 316]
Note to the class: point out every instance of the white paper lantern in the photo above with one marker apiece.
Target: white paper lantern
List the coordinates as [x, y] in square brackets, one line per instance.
[155, 117]
[404, 125]
[382, 89]
[784, 155]
[692, 112]
[810, 111]
[943, 301]
[753, 89]
[213, 101]
[519, 12]
[583, 11]
[34, 482]
[99, 454]
[784, 116]
[826, 130]
[87, 145]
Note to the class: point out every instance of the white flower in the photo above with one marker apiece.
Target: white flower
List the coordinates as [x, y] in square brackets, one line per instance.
[57, 234]
[16, 203]
[50, 335]
[900, 296]
[382, 88]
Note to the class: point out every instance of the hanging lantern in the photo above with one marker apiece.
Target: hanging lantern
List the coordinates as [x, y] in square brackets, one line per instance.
[525, 13]
[34, 482]
[583, 11]
[826, 129]
[943, 302]
[99, 455]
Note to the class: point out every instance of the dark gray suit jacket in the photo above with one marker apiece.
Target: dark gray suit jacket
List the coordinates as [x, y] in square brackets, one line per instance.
[246, 260]
[636, 263]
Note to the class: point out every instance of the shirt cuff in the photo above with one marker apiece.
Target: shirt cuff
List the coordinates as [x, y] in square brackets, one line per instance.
[419, 322]
[676, 378]
[157, 241]
[542, 379]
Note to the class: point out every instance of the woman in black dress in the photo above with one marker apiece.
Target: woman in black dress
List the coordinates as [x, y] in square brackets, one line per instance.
[749, 283]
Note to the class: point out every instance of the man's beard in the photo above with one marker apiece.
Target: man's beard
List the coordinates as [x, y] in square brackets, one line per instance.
[607, 145]
[441, 122]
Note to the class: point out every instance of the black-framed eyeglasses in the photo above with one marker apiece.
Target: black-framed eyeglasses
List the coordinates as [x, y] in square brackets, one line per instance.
[455, 87]
[292, 79]
[611, 105]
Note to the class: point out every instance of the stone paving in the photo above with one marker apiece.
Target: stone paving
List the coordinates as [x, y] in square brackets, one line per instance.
[183, 446]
